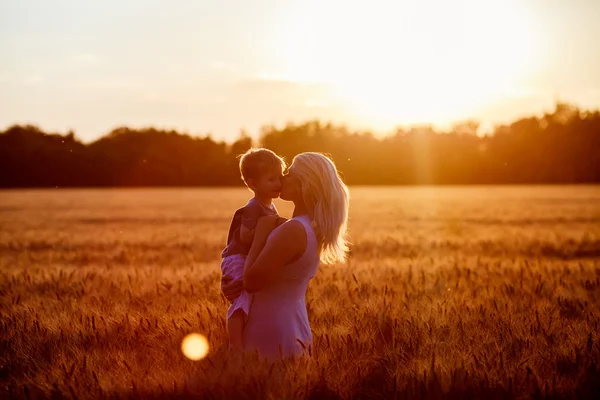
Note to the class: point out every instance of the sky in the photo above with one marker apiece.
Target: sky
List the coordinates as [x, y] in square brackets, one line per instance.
[217, 67]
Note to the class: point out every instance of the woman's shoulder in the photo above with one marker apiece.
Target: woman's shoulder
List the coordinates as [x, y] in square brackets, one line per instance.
[297, 229]
[305, 222]
[292, 228]
[289, 237]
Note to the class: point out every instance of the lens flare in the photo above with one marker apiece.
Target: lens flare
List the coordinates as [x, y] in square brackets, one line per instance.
[194, 346]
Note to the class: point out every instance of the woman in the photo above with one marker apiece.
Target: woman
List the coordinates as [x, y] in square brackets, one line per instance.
[282, 260]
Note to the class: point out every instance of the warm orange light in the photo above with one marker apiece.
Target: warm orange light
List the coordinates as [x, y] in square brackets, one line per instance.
[412, 62]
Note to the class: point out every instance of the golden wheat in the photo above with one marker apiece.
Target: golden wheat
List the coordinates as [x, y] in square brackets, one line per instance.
[465, 292]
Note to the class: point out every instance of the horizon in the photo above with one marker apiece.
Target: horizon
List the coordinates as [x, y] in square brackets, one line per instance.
[436, 129]
[92, 68]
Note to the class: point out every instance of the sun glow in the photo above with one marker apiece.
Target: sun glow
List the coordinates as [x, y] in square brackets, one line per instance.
[393, 62]
[195, 346]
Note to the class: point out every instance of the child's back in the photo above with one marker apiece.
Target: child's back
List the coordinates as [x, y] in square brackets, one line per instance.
[245, 217]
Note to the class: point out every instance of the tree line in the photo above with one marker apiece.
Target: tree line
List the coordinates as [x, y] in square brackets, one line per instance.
[559, 147]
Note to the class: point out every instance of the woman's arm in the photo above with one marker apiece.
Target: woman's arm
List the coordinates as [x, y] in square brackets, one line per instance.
[264, 227]
[266, 260]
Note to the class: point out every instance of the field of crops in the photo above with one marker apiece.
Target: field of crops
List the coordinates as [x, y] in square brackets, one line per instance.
[449, 292]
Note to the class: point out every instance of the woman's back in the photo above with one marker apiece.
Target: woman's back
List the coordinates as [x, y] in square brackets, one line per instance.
[278, 315]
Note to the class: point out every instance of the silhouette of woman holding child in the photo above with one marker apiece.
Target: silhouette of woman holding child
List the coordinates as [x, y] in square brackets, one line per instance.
[284, 257]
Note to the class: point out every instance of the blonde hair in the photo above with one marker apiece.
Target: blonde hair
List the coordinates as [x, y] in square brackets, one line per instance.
[327, 198]
[257, 161]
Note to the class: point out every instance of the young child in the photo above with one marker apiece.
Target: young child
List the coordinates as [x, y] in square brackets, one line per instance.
[261, 170]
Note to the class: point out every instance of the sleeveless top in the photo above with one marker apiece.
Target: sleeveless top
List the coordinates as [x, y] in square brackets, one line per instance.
[277, 317]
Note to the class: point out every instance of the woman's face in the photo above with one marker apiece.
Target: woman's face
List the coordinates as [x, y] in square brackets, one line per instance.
[291, 189]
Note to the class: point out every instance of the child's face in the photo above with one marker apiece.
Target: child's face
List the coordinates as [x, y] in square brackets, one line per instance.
[268, 184]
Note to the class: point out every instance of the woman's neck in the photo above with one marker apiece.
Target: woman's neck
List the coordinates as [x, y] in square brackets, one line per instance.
[299, 209]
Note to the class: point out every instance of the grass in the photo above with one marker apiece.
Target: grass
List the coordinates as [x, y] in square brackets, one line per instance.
[450, 292]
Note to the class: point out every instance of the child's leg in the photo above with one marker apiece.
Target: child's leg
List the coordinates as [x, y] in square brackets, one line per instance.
[235, 329]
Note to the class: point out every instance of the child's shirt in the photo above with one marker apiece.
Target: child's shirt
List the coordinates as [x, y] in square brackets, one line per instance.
[246, 216]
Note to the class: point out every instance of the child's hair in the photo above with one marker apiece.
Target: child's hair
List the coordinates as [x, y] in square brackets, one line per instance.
[256, 162]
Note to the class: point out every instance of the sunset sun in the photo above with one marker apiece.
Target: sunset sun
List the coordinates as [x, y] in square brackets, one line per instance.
[412, 62]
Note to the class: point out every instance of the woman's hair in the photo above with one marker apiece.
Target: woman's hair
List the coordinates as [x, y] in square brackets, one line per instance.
[327, 199]
[257, 161]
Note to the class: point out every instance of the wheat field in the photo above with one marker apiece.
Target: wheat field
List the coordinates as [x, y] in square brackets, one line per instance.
[450, 292]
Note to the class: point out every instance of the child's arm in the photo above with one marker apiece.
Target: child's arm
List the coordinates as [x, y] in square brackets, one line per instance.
[249, 219]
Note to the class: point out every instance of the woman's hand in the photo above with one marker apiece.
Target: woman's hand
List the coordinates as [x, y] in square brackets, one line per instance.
[265, 226]
[280, 220]
[231, 289]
